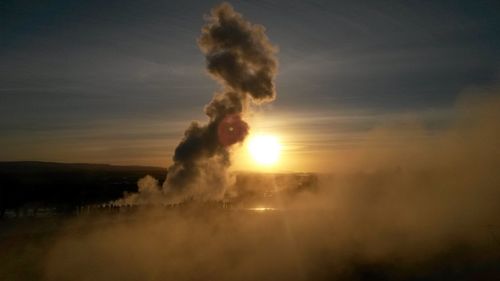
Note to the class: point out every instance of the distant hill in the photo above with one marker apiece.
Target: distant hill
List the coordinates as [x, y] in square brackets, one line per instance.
[14, 166]
[28, 186]
[66, 186]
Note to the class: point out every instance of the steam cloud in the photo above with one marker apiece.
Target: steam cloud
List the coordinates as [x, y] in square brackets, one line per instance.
[240, 57]
[434, 218]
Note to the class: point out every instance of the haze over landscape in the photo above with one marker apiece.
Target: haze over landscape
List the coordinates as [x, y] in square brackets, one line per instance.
[251, 140]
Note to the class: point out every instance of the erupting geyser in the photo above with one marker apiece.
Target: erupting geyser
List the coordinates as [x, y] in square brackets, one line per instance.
[241, 58]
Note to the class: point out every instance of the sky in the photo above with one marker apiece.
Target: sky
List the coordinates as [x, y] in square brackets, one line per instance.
[119, 81]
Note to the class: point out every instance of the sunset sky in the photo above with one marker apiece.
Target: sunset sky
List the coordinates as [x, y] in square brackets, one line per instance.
[119, 81]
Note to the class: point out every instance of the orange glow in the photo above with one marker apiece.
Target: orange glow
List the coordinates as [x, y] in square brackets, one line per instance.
[264, 149]
[261, 209]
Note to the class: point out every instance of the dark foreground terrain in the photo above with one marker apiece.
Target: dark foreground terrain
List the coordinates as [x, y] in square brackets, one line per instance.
[225, 245]
[398, 224]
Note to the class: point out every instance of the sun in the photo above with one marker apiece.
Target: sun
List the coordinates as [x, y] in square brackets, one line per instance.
[264, 149]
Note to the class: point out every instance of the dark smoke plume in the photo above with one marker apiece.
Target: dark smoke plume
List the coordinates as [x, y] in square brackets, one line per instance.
[240, 57]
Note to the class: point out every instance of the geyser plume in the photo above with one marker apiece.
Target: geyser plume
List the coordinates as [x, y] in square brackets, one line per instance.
[241, 58]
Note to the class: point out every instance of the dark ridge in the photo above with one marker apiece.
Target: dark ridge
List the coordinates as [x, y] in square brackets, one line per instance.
[83, 166]
[29, 186]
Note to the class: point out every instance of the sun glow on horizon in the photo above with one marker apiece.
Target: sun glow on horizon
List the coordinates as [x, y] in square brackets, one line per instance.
[265, 150]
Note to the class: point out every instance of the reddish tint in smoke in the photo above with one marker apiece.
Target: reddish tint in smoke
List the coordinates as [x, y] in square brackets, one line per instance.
[232, 129]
